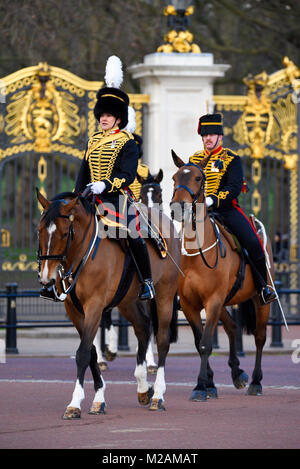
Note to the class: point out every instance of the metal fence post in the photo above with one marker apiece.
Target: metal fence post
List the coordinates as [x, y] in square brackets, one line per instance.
[123, 333]
[276, 328]
[11, 318]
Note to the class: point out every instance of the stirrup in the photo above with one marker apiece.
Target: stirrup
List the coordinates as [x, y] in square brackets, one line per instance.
[147, 290]
[267, 295]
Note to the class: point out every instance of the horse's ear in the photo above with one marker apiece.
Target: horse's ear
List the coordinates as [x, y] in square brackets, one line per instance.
[42, 200]
[66, 208]
[177, 161]
[159, 177]
[204, 162]
[140, 178]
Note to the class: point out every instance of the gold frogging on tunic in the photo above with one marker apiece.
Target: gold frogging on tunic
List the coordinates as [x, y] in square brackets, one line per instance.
[102, 152]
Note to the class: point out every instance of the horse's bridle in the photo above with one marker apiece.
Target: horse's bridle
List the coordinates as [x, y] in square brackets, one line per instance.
[59, 257]
[195, 197]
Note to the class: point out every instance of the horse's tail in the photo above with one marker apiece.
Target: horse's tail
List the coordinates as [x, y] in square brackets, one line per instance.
[173, 328]
[247, 316]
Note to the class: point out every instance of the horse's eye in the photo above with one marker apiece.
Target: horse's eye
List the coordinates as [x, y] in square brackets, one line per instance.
[64, 235]
[198, 178]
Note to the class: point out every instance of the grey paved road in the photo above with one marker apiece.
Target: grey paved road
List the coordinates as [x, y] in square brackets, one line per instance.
[35, 391]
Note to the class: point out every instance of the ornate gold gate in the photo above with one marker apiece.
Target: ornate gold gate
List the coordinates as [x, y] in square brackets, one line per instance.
[262, 127]
[46, 117]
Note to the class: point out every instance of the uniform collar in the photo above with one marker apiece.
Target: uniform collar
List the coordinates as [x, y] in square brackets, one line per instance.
[108, 133]
[216, 151]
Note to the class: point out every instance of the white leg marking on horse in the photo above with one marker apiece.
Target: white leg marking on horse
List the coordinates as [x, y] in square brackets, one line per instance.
[112, 337]
[78, 396]
[140, 374]
[96, 342]
[149, 356]
[99, 395]
[160, 384]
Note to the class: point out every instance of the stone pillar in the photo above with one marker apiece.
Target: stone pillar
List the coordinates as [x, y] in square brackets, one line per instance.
[180, 86]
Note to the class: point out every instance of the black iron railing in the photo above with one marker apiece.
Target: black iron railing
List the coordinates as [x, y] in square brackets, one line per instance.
[47, 314]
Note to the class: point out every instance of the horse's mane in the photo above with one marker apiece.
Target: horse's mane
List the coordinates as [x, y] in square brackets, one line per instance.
[54, 208]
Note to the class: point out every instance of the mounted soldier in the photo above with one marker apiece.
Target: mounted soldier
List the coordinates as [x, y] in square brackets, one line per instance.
[224, 183]
[110, 165]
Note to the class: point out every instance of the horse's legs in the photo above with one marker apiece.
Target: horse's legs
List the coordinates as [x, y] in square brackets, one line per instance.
[239, 377]
[100, 358]
[86, 355]
[164, 308]
[213, 311]
[141, 326]
[98, 406]
[260, 334]
[143, 309]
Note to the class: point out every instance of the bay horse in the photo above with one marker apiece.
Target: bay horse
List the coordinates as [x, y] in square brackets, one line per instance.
[150, 196]
[208, 281]
[66, 229]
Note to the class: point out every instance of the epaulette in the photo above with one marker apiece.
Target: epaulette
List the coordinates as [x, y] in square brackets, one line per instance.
[129, 134]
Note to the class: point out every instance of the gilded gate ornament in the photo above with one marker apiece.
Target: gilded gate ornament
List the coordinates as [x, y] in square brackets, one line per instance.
[42, 114]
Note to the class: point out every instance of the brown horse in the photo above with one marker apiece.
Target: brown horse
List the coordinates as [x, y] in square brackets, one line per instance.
[66, 229]
[209, 278]
[150, 196]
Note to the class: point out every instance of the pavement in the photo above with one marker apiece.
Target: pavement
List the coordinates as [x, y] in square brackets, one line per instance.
[64, 341]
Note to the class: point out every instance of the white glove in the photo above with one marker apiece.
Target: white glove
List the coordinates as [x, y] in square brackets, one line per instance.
[209, 201]
[97, 187]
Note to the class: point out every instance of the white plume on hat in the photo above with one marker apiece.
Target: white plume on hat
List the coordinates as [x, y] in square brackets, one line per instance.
[113, 72]
[131, 120]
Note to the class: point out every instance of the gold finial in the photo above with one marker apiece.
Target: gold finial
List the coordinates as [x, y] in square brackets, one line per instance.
[179, 38]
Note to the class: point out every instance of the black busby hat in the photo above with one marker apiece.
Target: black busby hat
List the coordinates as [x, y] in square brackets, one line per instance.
[210, 124]
[110, 98]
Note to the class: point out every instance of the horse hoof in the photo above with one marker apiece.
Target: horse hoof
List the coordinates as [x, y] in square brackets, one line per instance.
[198, 396]
[152, 369]
[110, 356]
[145, 397]
[103, 366]
[212, 393]
[241, 381]
[98, 408]
[255, 390]
[72, 413]
[157, 404]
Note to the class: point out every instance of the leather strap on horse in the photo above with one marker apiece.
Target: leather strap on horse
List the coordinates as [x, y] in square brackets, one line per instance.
[239, 278]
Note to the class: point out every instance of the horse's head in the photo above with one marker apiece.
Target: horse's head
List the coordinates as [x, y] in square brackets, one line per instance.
[188, 187]
[55, 233]
[151, 192]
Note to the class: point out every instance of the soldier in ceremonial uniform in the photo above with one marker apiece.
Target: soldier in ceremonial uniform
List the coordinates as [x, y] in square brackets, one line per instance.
[110, 165]
[224, 183]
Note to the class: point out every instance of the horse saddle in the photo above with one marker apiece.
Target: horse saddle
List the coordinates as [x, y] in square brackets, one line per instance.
[148, 230]
[235, 246]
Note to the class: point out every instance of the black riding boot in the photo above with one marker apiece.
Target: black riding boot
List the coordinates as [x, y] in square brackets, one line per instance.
[141, 256]
[265, 291]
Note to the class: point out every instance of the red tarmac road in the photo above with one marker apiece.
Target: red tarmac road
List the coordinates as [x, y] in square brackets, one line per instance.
[35, 392]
